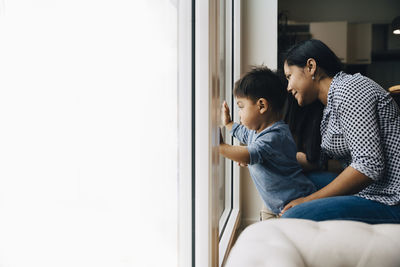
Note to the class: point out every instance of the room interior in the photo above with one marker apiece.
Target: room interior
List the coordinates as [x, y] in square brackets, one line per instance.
[295, 23]
[294, 18]
[382, 62]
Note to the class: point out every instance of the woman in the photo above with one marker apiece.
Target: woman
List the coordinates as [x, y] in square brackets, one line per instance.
[360, 127]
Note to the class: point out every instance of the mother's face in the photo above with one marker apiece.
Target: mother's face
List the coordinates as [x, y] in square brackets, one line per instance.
[300, 84]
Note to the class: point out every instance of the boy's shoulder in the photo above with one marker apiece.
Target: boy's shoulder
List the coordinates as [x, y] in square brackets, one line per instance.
[278, 130]
[276, 127]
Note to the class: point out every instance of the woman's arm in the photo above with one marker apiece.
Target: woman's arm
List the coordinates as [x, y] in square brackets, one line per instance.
[349, 181]
[333, 165]
[304, 163]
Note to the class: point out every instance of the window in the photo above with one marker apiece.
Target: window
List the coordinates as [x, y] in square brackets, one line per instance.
[216, 190]
[88, 138]
[225, 93]
[216, 182]
[229, 71]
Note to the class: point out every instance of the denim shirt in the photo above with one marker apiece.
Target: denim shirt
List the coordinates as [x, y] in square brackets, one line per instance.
[273, 167]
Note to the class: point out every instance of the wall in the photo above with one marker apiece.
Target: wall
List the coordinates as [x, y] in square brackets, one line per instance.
[259, 46]
[385, 47]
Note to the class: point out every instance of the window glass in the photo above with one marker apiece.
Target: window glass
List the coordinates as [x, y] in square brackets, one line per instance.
[88, 115]
[225, 93]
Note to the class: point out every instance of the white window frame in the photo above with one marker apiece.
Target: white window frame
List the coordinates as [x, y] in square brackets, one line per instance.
[233, 220]
[185, 135]
[228, 83]
[206, 223]
[199, 241]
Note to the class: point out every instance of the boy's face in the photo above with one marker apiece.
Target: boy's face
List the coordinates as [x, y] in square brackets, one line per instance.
[249, 113]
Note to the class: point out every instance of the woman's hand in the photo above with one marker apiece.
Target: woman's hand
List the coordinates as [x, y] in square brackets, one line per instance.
[292, 203]
[304, 163]
[225, 116]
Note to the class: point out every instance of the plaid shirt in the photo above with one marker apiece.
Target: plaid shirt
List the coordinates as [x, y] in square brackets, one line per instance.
[361, 128]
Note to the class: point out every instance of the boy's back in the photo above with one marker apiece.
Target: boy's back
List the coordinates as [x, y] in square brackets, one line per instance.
[273, 166]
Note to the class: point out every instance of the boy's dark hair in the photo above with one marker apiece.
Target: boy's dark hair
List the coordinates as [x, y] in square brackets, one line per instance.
[323, 55]
[261, 82]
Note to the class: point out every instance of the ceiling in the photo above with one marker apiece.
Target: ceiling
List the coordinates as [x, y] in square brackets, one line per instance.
[373, 11]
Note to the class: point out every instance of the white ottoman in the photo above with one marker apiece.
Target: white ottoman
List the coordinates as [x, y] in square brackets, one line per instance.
[296, 242]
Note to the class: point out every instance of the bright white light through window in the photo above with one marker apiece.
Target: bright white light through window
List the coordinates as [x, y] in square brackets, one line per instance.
[88, 138]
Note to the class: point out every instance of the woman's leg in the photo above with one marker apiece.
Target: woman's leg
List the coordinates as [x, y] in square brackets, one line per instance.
[345, 208]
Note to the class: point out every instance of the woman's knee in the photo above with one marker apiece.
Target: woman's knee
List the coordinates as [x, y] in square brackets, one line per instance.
[320, 209]
[303, 211]
[344, 208]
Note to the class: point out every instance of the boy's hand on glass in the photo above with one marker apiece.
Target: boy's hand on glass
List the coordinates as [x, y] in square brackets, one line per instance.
[225, 116]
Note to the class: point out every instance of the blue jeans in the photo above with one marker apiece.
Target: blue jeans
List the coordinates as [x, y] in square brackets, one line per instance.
[342, 207]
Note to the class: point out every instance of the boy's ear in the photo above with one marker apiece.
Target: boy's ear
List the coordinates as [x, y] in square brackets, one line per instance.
[262, 104]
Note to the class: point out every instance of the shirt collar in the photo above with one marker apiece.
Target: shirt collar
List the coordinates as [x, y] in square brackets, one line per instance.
[335, 80]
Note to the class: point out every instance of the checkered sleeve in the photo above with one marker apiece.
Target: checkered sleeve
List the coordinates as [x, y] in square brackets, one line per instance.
[358, 117]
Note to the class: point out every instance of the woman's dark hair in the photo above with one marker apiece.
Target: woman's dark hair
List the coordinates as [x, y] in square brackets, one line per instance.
[304, 124]
[261, 82]
[327, 60]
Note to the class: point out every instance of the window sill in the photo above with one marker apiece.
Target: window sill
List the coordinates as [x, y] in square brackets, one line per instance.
[226, 241]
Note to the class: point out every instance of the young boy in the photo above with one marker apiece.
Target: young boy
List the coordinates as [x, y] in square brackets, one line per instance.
[270, 151]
